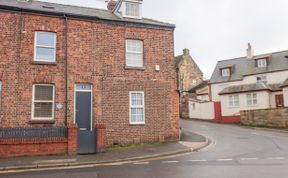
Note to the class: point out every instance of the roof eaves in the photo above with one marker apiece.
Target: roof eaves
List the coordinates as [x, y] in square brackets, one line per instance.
[246, 91]
[55, 13]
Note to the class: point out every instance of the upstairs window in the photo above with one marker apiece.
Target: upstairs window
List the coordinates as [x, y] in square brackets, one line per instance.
[261, 63]
[262, 79]
[132, 10]
[45, 47]
[225, 72]
[251, 99]
[134, 53]
[137, 109]
[43, 102]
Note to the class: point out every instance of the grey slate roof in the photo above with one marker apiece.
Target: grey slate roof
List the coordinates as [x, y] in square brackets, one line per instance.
[285, 83]
[243, 66]
[275, 87]
[250, 87]
[52, 8]
[200, 86]
[244, 88]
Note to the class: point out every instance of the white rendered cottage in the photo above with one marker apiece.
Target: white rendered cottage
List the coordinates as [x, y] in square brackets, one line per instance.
[251, 82]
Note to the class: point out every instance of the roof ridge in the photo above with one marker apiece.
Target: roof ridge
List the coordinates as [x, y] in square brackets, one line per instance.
[258, 55]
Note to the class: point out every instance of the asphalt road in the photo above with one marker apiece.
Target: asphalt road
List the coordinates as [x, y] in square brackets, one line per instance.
[237, 152]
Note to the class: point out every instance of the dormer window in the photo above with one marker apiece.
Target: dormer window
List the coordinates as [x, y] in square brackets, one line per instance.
[261, 63]
[132, 10]
[225, 72]
[262, 79]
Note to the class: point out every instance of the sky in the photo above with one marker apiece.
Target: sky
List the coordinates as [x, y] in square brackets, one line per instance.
[216, 30]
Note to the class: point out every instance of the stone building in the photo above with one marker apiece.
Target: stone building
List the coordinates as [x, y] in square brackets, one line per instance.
[91, 70]
[188, 72]
[189, 75]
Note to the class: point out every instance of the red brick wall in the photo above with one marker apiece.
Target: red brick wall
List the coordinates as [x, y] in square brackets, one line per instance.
[32, 147]
[72, 139]
[96, 56]
[17, 72]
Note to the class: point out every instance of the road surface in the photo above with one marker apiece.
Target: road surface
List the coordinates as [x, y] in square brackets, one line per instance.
[236, 152]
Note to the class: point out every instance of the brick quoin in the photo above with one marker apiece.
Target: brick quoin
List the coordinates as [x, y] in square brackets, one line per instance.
[96, 56]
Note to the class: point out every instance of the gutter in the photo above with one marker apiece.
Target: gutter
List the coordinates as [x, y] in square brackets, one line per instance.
[66, 68]
[248, 91]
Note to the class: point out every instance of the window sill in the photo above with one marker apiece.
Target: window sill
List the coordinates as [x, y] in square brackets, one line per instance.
[252, 106]
[140, 124]
[41, 121]
[234, 107]
[43, 63]
[134, 68]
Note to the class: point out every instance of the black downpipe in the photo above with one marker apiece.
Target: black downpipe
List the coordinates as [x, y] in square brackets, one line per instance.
[66, 69]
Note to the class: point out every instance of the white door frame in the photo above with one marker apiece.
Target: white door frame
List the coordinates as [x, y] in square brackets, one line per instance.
[84, 90]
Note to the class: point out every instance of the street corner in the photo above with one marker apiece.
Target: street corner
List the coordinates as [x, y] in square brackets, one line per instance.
[194, 141]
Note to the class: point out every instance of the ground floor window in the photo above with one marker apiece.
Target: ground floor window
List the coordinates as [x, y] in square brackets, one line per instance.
[137, 107]
[203, 97]
[251, 99]
[233, 100]
[43, 102]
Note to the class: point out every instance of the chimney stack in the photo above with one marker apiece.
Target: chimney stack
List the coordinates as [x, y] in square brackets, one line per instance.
[111, 5]
[249, 51]
[186, 51]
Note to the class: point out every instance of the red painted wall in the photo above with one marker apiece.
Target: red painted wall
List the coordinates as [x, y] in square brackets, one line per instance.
[231, 119]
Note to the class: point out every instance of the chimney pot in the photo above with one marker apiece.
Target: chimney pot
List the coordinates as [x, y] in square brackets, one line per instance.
[186, 51]
[249, 51]
[111, 5]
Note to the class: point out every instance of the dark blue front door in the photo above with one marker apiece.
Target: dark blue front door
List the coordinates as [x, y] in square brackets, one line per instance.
[86, 133]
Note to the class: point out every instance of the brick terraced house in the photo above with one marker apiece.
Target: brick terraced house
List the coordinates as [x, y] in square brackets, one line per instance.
[76, 79]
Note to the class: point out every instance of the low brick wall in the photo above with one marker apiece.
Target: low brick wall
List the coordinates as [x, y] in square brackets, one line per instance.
[32, 147]
[15, 147]
[277, 118]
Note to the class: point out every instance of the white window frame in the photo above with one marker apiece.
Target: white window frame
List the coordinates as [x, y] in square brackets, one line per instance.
[225, 72]
[261, 63]
[233, 101]
[252, 97]
[285, 94]
[42, 46]
[42, 101]
[124, 10]
[136, 106]
[88, 91]
[204, 97]
[134, 52]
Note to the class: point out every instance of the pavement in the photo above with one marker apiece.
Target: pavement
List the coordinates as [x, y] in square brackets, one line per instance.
[189, 142]
[234, 152]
